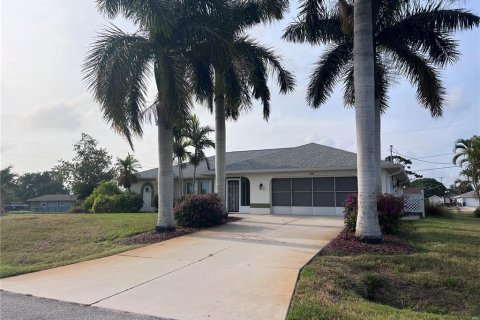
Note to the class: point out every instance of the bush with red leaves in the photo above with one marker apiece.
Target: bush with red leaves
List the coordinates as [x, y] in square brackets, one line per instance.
[389, 208]
[199, 210]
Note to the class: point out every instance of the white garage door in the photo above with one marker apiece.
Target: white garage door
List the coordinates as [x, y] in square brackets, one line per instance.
[311, 196]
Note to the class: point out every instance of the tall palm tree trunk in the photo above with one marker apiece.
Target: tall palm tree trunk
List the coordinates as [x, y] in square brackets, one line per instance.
[194, 180]
[180, 178]
[367, 228]
[165, 221]
[220, 147]
[378, 148]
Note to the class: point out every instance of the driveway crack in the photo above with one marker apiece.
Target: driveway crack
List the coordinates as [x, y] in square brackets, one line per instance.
[160, 276]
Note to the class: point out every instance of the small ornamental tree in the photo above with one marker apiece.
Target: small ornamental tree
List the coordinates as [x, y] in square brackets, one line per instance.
[389, 208]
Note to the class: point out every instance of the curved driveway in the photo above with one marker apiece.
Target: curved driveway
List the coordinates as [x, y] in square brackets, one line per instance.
[242, 270]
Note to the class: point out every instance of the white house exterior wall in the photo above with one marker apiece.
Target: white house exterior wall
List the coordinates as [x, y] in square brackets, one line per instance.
[261, 199]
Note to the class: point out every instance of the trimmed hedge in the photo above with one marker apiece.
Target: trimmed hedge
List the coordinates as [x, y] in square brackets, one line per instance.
[389, 208]
[199, 210]
[118, 203]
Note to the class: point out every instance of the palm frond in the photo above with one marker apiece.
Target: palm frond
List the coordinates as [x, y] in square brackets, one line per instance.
[116, 70]
[327, 73]
[152, 15]
[430, 91]
[325, 30]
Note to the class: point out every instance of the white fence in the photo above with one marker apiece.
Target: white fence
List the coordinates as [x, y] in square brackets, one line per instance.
[415, 203]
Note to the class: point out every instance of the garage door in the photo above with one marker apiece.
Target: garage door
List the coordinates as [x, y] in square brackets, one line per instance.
[317, 196]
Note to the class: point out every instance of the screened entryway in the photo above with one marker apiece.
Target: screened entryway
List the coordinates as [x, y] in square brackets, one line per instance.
[323, 195]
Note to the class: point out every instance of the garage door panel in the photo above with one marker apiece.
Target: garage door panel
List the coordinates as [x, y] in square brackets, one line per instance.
[281, 185]
[302, 184]
[341, 197]
[323, 184]
[302, 199]
[346, 184]
[281, 199]
[324, 199]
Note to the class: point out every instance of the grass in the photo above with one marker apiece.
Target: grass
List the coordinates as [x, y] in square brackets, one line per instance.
[438, 281]
[32, 242]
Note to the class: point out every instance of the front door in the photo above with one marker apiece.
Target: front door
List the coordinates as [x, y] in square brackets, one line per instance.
[233, 195]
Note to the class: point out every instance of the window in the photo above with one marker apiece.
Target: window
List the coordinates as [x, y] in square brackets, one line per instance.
[245, 189]
[346, 184]
[204, 186]
[189, 187]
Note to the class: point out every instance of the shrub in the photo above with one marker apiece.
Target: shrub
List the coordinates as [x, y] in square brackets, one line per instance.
[104, 204]
[128, 202]
[200, 210]
[476, 213]
[389, 208]
[436, 210]
[76, 209]
[105, 188]
[118, 203]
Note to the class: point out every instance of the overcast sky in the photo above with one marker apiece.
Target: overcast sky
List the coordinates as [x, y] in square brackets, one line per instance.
[45, 106]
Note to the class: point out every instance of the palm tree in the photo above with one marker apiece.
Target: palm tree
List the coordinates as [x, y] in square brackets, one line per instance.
[118, 66]
[7, 185]
[127, 171]
[180, 150]
[229, 85]
[467, 156]
[410, 38]
[199, 140]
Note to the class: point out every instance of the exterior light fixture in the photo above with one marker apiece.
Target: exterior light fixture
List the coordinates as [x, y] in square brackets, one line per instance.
[260, 186]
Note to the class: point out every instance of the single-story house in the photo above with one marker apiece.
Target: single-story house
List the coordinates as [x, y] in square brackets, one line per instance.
[310, 179]
[436, 200]
[469, 199]
[52, 203]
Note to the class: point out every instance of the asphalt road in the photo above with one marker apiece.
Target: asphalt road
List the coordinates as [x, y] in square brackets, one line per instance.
[23, 307]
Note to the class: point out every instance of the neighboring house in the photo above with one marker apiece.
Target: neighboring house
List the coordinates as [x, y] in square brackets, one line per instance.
[311, 179]
[436, 200]
[469, 199]
[52, 203]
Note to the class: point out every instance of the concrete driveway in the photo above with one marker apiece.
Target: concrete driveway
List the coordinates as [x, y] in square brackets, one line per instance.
[242, 270]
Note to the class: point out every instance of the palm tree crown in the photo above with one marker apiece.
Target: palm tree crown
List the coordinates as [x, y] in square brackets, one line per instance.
[199, 140]
[411, 38]
[127, 171]
[170, 37]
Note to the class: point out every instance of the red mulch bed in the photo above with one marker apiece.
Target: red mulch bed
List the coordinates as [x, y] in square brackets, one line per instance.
[154, 237]
[347, 243]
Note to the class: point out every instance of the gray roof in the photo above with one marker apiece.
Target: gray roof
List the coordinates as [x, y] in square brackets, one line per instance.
[470, 194]
[54, 197]
[311, 156]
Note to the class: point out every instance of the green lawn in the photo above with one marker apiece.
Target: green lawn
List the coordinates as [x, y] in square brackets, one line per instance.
[439, 281]
[31, 242]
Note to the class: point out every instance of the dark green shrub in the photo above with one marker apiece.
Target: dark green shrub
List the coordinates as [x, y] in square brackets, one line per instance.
[200, 210]
[436, 210]
[476, 213]
[128, 202]
[76, 209]
[389, 208]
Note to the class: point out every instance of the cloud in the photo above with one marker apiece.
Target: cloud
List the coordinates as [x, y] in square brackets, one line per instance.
[456, 97]
[66, 115]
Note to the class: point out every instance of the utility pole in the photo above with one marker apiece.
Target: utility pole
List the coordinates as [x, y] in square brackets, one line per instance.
[391, 153]
[441, 179]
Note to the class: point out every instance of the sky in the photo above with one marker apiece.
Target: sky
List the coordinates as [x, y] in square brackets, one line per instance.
[45, 106]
